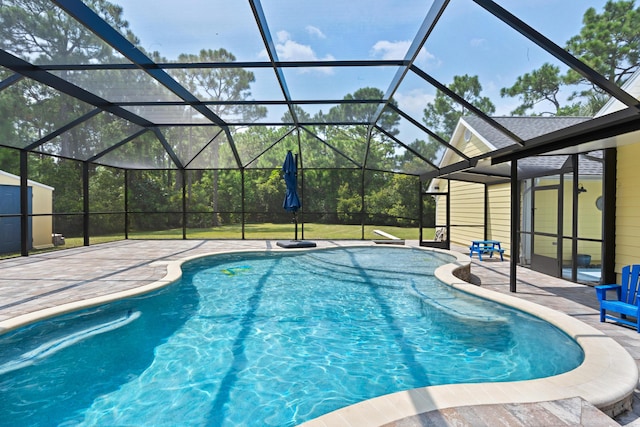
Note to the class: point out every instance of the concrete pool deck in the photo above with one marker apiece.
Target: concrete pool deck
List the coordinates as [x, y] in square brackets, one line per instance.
[50, 280]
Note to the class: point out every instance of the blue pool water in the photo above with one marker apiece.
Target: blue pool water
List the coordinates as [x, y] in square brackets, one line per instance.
[270, 339]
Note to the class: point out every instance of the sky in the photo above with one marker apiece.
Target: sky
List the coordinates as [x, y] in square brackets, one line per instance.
[467, 40]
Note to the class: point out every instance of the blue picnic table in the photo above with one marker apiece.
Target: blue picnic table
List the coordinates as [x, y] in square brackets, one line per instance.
[485, 247]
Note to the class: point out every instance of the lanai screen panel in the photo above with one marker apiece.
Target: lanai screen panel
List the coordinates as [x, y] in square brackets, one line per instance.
[323, 68]
[32, 112]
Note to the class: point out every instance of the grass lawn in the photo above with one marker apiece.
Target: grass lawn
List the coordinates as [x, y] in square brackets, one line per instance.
[285, 231]
[256, 231]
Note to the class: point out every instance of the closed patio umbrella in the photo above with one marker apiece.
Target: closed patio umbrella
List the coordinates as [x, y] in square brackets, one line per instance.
[291, 201]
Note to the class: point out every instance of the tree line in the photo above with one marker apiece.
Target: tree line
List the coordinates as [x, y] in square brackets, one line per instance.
[218, 190]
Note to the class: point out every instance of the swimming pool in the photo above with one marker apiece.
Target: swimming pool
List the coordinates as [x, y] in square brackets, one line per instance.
[249, 314]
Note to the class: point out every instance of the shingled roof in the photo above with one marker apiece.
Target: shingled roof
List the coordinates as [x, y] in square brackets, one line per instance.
[524, 127]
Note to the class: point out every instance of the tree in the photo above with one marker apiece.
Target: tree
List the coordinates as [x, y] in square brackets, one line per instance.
[381, 148]
[409, 163]
[106, 187]
[443, 113]
[608, 42]
[364, 112]
[395, 203]
[42, 34]
[220, 84]
[35, 30]
[301, 115]
[533, 88]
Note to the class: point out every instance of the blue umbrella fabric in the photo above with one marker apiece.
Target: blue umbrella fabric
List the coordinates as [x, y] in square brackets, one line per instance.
[290, 170]
[292, 201]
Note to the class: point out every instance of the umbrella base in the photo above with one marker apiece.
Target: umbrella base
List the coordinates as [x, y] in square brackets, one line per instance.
[296, 244]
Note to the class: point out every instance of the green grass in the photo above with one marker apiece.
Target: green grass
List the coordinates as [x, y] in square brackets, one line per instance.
[284, 231]
[253, 231]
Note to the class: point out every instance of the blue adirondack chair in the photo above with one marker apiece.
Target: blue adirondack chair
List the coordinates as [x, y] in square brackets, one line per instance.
[626, 302]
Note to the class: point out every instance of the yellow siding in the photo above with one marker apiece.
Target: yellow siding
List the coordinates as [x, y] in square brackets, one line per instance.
[627, 207]
[441, 205]
[467, 212]
[467, 206]
[590, 218]
[474, 147]
[499, 215]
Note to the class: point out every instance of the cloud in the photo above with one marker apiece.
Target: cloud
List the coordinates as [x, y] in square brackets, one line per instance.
[290, 50]
[315, 31]
[414, 101]
[477, 42]
[387, 50]
[390, 50]
[282, 36]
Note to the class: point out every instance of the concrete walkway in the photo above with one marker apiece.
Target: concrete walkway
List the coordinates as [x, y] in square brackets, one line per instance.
[33, 283]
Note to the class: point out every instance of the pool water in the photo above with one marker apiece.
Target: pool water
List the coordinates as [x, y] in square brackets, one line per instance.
[270, 339]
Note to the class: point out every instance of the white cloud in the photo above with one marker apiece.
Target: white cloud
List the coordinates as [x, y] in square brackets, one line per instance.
[290, 50]
[425, 57]
[282, 36]
[477, 42]
[315, 31]
[390, 50]
[387, 50]
[413, 102]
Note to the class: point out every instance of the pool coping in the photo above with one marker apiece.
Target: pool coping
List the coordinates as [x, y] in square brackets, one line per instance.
[606, 378]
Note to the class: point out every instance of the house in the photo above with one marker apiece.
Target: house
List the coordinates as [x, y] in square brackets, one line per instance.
[627, 176]
[480, 204]
[578, 206]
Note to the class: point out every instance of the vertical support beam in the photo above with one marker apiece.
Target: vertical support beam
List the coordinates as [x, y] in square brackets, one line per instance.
[609, 216]
[574, 227]
[362, 181]
[126, 204]
[183, 172]
[362, 210]
[486, 212]
[85, 202]
[448, 239]
[295, 214]
[515, 222]
[24, 203]
[300, 174]
[420, 211]
[242, 215]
